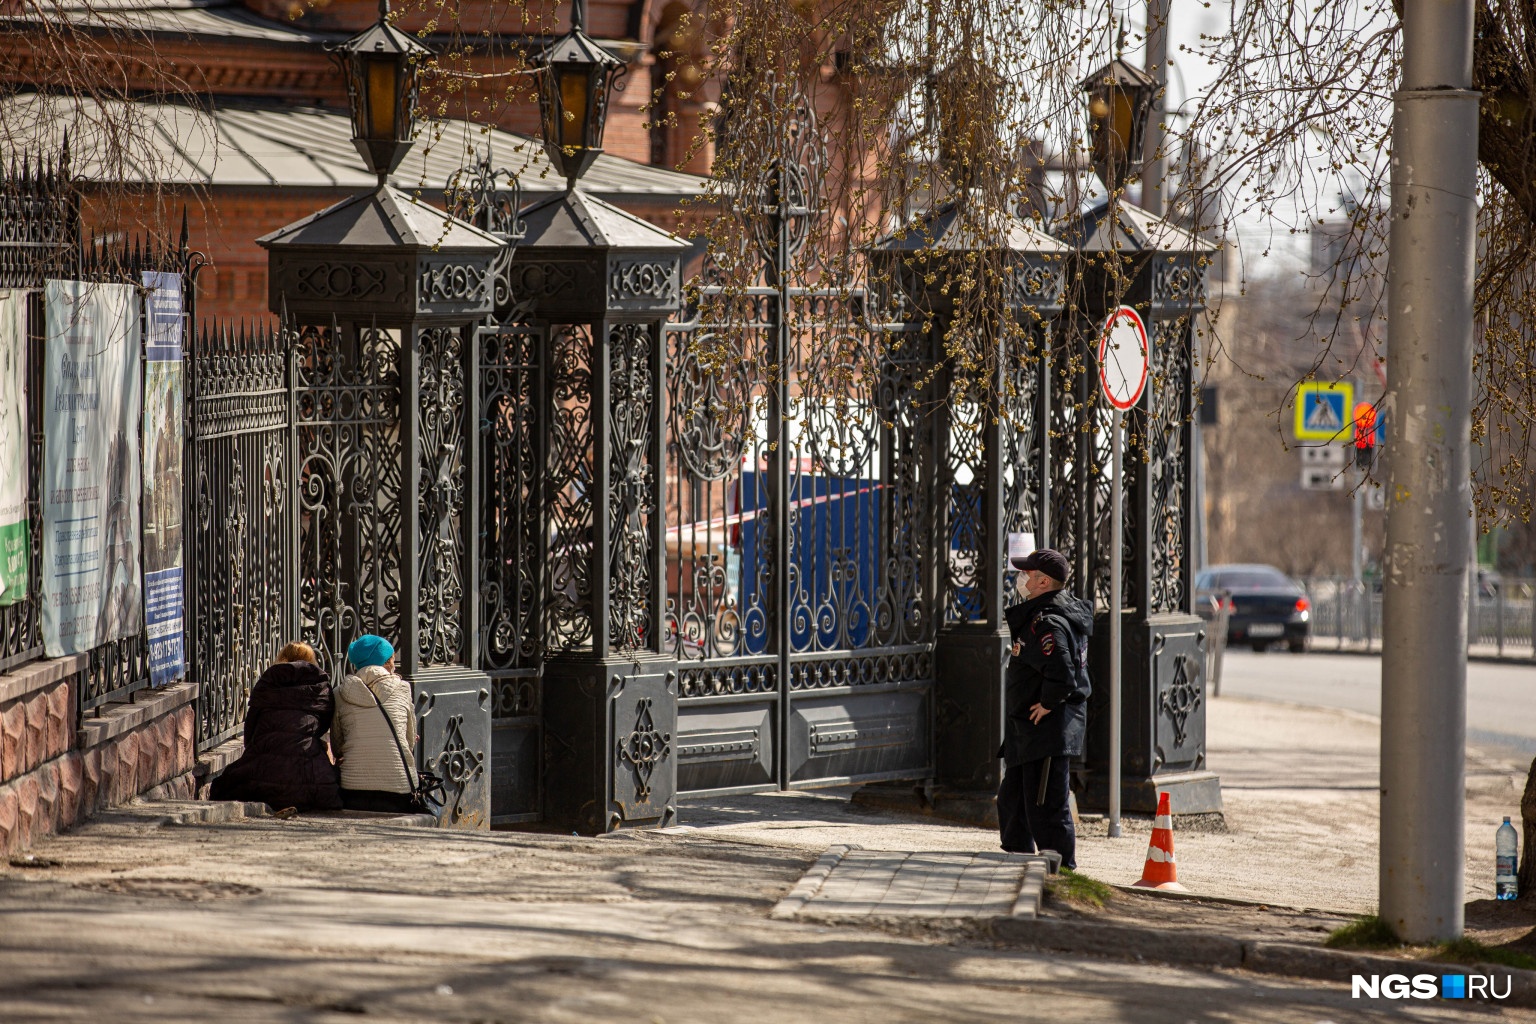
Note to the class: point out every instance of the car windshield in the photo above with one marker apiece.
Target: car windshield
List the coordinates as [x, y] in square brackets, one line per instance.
[1251, 579]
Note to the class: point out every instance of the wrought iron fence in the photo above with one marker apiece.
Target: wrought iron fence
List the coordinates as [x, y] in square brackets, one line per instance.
[1346, 615]
[238, 574]
[41, 239]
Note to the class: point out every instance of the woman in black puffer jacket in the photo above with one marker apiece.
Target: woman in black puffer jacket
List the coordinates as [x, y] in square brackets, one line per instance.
[285, 763]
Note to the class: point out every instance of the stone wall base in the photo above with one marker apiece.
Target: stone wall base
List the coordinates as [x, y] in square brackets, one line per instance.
[126, 749]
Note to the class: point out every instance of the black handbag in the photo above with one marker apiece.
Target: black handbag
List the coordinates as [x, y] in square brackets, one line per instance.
[427, 793]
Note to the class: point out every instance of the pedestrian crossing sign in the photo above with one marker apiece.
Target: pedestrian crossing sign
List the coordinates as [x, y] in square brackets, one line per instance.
[1322, 411]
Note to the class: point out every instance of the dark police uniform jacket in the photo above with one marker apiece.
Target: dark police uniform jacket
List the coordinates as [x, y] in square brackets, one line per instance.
[1051, 669]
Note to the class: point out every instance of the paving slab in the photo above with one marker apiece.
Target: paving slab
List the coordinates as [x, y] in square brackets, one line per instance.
[847, 881]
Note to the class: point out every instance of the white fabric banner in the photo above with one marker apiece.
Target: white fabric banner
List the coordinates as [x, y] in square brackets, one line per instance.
[92, 393]
[15, 527]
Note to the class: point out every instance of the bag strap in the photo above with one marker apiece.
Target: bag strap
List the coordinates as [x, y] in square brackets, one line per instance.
[399, 747]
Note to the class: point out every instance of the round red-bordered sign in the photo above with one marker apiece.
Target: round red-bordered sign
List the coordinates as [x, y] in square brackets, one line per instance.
[1123, 360]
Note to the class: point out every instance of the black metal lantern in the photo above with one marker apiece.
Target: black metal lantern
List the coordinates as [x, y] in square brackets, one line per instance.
[575, 77]
[1120, 97]
[380, 67]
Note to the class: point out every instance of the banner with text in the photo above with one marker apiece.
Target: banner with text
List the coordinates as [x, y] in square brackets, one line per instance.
[15, 527]
[92, 589]
[164, 604]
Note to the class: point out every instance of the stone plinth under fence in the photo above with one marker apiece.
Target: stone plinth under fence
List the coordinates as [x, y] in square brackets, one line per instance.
[54, 774]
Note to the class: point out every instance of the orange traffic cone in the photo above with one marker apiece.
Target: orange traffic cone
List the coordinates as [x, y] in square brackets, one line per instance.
[1160, 871]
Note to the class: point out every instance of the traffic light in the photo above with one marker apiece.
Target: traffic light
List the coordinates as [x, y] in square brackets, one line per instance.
[1365, 435]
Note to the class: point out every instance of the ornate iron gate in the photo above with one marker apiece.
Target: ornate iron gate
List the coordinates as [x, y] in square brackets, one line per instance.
[240, 580]
[801, 590]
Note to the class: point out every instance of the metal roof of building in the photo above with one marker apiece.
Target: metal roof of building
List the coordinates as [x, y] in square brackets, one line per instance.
[224, 19]
[253, 145]
[232, 21]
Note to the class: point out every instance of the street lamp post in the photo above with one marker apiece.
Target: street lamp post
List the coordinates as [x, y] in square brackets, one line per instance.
[380, 69]
[1120, 98]
[1123, 255]
[576, 76]
[376, 293]
[597, 284]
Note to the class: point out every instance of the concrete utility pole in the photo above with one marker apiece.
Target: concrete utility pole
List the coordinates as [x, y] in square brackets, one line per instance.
[1152, 198]
[1429, 495]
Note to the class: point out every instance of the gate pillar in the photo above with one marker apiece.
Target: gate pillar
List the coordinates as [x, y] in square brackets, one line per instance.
[598, 284]
[1123, 255]
[989, 437]
[378, 293]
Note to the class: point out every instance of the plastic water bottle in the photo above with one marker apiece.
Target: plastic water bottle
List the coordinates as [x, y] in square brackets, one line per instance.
[1506, 883]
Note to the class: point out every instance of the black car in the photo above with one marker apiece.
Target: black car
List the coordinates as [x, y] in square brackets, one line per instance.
[1265, 605]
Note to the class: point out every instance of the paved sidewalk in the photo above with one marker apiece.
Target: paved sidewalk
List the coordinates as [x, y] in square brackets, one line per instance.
[131, 919]
[1301, 787]
[849, 882]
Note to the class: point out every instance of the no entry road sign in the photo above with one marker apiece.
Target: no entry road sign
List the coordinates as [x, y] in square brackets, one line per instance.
[1123, 358]
[1323, 411]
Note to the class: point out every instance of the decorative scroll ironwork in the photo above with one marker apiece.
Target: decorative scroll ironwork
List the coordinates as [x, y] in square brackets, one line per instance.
[1066, 491]
[475, 194]
[964, 525]
[863, 669]
[512, 539]
[454, 282]
[1183, 696]
[459, 764]
[440, 424]
[905, 606]
[644, 749]
[237, 578]
[719, 585]
[1098, 417]
[569, 482]
[1168, 426]
[650, 279]
[632, 397]
[346, 386]
[1020, 421]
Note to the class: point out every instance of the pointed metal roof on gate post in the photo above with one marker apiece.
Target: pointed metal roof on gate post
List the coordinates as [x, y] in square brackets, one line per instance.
[381, 255]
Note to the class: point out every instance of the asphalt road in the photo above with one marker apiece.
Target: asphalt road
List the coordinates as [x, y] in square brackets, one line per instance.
[1501, 698]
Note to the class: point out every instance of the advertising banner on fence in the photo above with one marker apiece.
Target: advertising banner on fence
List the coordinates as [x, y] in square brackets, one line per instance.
[164, 617]
[15, 533]
[92, 590]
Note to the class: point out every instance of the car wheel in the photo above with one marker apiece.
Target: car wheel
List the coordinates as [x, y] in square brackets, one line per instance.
[1297, 645]
[1259, 647]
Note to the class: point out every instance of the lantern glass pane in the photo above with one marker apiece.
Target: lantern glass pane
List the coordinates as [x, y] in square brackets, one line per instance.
[1125, 118]
[382, 97]
[575, 96]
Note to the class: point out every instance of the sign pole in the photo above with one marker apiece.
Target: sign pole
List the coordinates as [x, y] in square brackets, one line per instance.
[1124, 361]
[1116, 571]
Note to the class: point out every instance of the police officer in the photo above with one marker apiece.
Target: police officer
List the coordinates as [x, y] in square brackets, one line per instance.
[1047, 695]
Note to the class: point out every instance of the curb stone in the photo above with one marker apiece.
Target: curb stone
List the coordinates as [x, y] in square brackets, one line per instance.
[1128, 942]
[221, 812]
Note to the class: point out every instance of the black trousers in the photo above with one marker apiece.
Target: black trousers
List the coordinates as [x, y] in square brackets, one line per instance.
[1029, 827]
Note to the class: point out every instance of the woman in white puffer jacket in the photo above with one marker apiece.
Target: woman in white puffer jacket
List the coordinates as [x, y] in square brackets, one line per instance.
[373, 777]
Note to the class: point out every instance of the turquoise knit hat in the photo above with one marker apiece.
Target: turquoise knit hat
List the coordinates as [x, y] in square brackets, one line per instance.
[369, 649]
